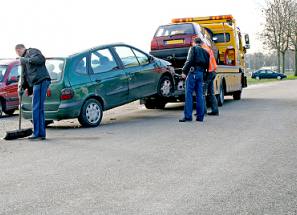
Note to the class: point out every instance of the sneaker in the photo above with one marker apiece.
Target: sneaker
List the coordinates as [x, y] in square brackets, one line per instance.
[33, 138]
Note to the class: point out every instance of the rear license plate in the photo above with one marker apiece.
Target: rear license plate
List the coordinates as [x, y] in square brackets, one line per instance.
[173, 42]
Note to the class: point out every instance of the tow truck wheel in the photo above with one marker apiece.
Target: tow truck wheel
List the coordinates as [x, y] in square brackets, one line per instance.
[221, 96]
[1, 112]
[149, 104]
[237, 95]
[9, 112]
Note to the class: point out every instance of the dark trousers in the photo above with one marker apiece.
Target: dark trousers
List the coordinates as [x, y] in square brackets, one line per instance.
[210, 92]
[194, 82]
[39, 96]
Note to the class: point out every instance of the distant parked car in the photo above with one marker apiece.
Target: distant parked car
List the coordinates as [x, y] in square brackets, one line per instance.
[10, 71]
[268, 74]
[101, 78]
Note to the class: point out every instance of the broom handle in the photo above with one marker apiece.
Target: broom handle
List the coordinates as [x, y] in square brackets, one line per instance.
[20, 114]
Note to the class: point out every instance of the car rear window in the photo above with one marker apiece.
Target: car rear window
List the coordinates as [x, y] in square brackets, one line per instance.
[220, 38]
[171, 30]
[55, 68]
[2, 72]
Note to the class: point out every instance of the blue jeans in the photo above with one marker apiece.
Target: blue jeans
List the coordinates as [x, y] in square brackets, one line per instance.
[39, 96]
[194, 82]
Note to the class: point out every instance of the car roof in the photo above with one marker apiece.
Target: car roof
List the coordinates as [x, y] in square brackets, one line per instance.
[99, 47]
[8, 61]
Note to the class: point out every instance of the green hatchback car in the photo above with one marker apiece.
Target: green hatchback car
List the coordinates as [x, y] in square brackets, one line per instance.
[90, 82]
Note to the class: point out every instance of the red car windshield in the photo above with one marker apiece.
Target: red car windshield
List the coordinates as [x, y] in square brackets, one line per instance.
[3, 69]
[171, 30]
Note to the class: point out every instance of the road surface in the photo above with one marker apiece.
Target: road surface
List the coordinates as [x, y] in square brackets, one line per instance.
[146, 162]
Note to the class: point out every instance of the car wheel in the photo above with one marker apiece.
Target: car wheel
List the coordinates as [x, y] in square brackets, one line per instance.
[91, 113]
[165, 86]
[160, 104]
[279, 77]
[237, 95]
[221, 96]
[257, 78]
[9, 112]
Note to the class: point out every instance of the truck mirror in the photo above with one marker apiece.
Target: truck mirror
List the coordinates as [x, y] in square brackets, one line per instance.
[247, 39]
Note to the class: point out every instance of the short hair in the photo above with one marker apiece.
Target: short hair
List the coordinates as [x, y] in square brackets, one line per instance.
[198, 41]
[20, 46]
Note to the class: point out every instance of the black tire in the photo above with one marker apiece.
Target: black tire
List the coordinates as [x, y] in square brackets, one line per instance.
[160, 105]
[48, 122]
[165, 87]
[149, 104]
[155, 104]
[91, 114]
[221, 96]
[9, 112]
[1, 108]
[237, 95]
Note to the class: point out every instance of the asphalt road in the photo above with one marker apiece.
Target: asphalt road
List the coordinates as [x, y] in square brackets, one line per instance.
[145, 162]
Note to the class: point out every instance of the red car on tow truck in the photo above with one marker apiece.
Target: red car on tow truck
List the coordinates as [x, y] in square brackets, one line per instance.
[10, 71]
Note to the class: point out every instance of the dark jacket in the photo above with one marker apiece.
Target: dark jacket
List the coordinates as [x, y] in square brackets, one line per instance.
[198, 58]
[34, 70]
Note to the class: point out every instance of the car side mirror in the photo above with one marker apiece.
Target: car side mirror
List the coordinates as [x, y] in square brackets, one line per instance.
[12, 80]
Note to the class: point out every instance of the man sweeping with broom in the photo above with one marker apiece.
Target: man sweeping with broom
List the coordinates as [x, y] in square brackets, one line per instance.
[35, 78]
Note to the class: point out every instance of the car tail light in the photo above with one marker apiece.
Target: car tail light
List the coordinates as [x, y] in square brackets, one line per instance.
[154, 44]
[49, 92]
[67, 94]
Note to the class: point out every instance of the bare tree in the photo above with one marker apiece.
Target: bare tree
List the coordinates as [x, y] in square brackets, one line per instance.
[293, 36]
[277, 29]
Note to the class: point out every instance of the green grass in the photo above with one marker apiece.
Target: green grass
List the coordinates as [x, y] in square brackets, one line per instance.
[261, 81]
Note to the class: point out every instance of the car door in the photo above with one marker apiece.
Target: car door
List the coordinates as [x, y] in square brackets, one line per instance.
[111, 81]
[12, 86]
[141, 78]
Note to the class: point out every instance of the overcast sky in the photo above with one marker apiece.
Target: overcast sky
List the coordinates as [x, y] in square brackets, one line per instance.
[63, 27]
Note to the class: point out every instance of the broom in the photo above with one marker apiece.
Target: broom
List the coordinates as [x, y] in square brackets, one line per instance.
[20, 133]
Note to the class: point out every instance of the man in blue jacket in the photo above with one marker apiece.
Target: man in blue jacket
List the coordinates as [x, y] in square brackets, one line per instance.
[194, 70]
[35, 78]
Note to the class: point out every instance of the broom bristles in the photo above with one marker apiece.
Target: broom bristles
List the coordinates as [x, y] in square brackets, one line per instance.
[12, 135]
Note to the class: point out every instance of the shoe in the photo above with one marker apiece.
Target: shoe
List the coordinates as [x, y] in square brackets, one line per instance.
[33, 138]
[185, 120]
[213, 114]
[42, 138]
[199, 120]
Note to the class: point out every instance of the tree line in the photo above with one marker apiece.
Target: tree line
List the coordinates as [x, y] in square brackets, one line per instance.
[280, 31]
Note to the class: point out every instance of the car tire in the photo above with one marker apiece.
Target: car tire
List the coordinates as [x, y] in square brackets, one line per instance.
[9, 112]
[237, 95]
[279, 77]
[1, 108]
[165, 87]
[160, 105]
[221, 96]
[91, 113]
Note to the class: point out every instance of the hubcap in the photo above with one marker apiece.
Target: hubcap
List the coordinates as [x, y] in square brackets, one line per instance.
[166, 88]
[278, 77]
[93, 113]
